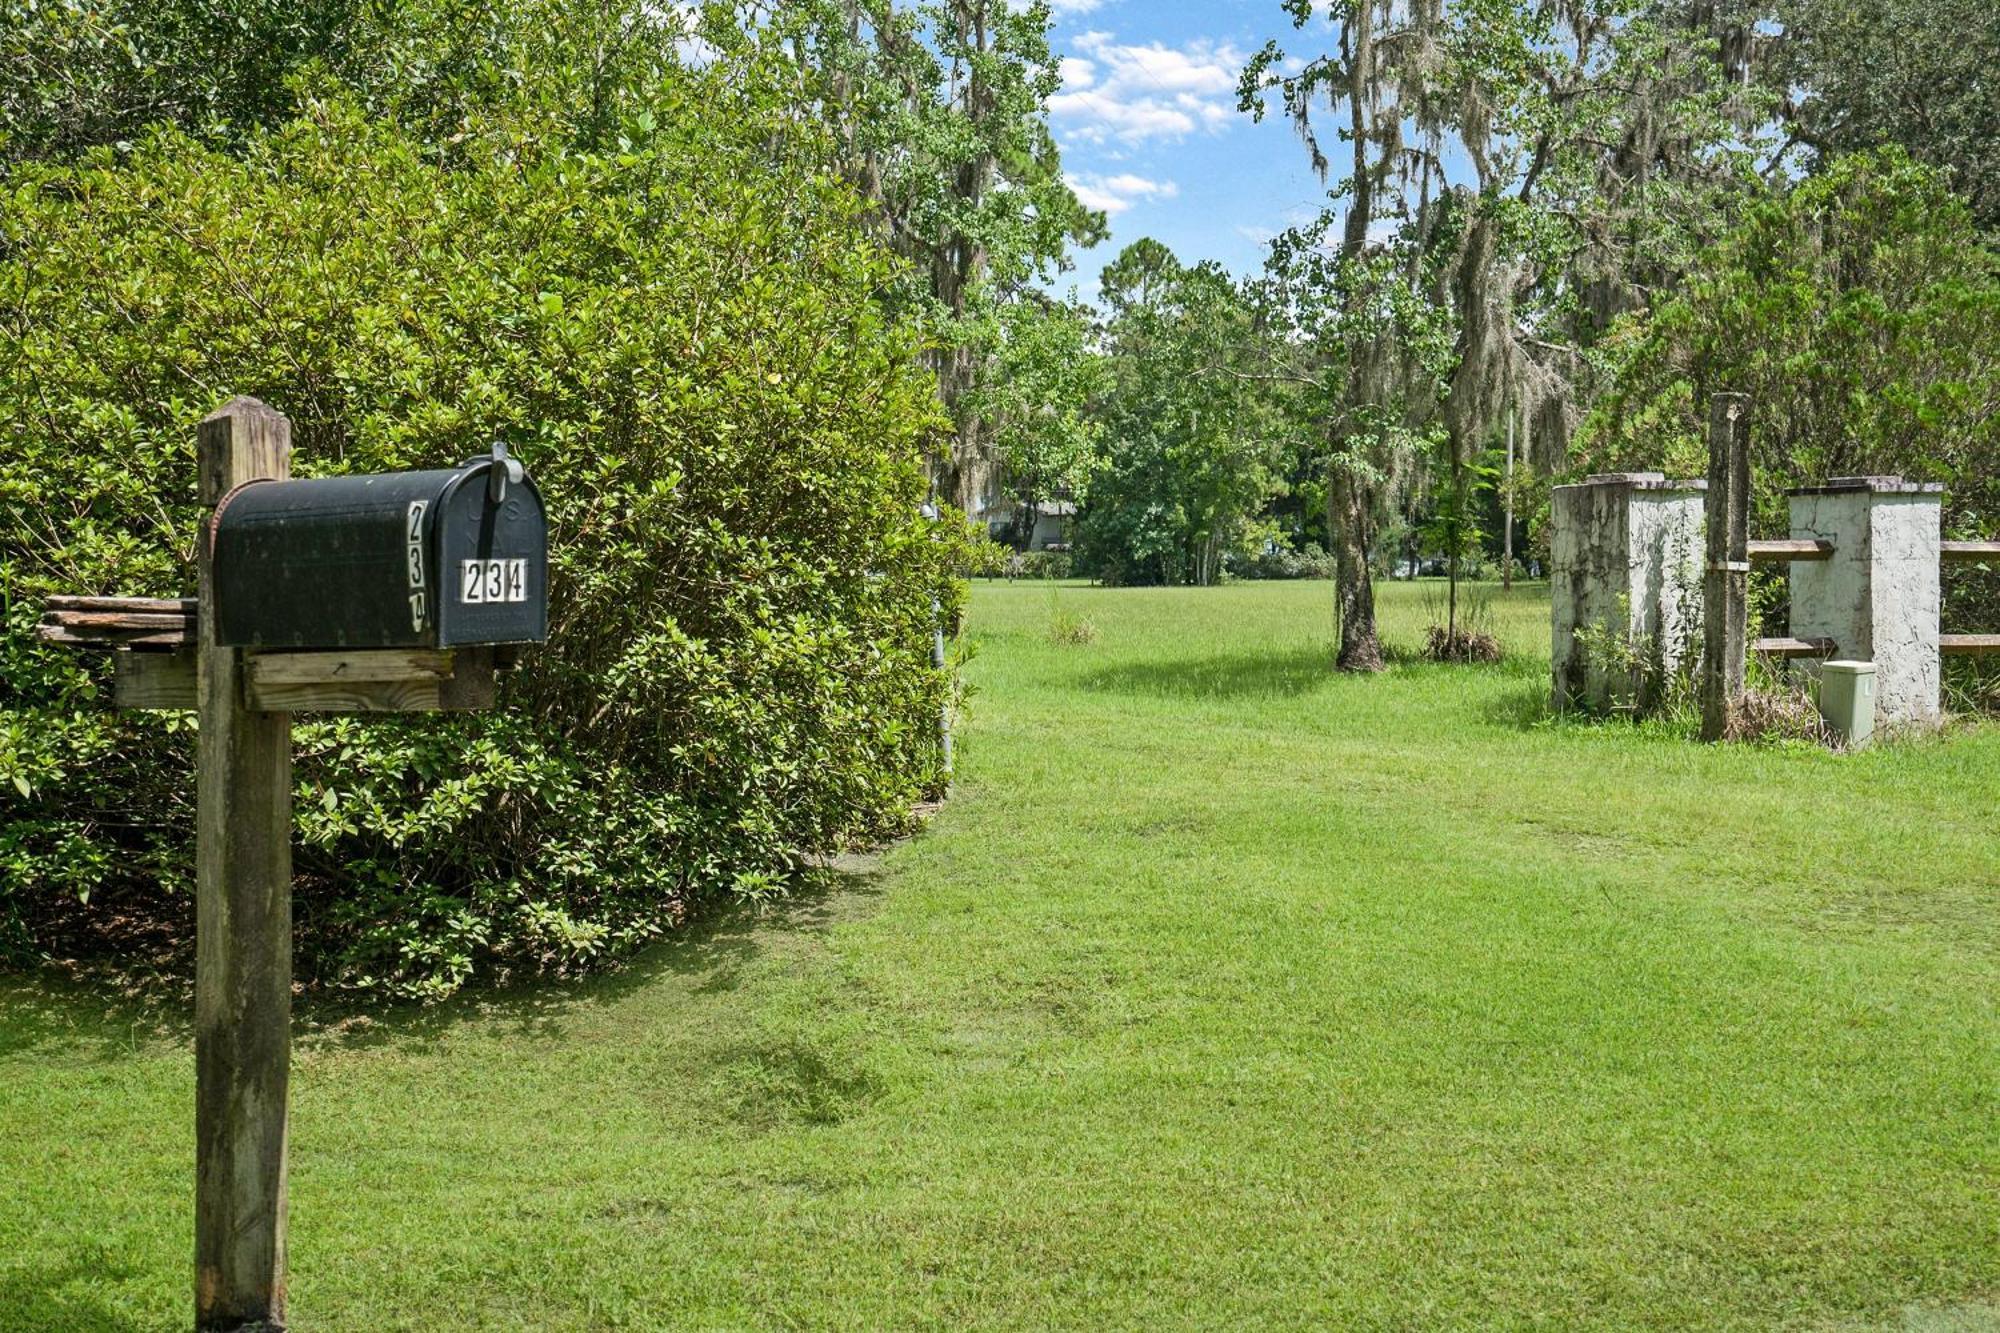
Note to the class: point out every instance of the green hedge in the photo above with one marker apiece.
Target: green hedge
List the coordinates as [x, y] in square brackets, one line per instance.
[682, 343]
[1311, 563]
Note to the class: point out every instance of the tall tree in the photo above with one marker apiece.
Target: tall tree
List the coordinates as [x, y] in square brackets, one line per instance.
[941, 111]
[1513, 161]
[1917, 73]
[1358, 352]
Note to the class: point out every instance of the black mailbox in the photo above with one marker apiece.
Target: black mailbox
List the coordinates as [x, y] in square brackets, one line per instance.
[398, 560]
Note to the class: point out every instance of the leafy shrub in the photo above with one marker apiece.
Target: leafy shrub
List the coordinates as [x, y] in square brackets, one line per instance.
[1311, 563]
[1039, 565]
[683, 345]
[987, 558]
[1636, 677]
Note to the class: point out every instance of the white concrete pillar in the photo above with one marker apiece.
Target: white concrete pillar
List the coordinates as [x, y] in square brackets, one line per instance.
[1877, 597]
[1626, 554]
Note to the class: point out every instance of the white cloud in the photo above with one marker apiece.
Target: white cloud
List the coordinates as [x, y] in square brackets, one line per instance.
[1113, 195]
[1074, 6]
[1150, 91]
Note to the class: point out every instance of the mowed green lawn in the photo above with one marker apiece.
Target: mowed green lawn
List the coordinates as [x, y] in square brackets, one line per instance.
[1225, 993]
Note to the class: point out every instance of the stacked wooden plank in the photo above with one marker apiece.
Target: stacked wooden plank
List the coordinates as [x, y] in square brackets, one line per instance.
[119, 622]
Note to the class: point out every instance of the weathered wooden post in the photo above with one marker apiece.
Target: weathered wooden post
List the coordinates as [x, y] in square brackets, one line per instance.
[243, 927]
[396, 592]
[1726, 586]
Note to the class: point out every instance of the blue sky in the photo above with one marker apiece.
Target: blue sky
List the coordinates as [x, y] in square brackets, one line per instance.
[1150, 133]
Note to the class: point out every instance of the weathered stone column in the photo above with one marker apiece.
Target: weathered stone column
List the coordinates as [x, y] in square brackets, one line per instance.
[1625, 553]
[1877, 596]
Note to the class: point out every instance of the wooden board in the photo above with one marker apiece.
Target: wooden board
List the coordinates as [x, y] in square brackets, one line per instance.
[115, 621]
[389, 680]
[184, 606]
[154, 680]
[383, 680]
[1790, 549]
[1968, 645]
[359, 696]
[373, 681]
[97, 638]
[347, 666]
[1970, 550]
[1782, 647]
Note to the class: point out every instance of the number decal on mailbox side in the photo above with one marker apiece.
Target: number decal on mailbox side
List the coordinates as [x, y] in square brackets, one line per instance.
[482, 581]
[414, 558]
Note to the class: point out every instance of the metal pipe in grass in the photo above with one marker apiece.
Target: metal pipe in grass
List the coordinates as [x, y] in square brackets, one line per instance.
[930, 512]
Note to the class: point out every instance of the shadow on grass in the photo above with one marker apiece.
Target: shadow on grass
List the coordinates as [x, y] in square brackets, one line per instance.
[1300, 670]
[1254, 674]
[46, 1013]
[1522, 706]
[713, 949]
[35, 1301]
[60, 1297]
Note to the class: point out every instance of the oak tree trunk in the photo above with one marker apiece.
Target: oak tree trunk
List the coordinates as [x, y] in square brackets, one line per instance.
[1353, 590]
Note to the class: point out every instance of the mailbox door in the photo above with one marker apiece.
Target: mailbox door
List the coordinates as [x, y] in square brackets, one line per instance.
[492, 563]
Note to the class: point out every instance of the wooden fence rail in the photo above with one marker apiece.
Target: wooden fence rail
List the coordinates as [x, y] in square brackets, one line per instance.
[1787, 549]
[1788, 647]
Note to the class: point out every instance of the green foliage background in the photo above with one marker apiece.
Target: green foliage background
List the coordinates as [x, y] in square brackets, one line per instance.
[678, 332]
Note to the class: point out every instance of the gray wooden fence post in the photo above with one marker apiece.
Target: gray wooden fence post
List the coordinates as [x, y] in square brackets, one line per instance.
[243, 929]
[1726, 586]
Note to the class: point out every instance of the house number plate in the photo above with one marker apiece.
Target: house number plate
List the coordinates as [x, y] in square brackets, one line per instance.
[493, 581]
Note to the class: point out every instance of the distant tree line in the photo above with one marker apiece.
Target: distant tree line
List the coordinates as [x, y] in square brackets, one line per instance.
[1568, 224]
